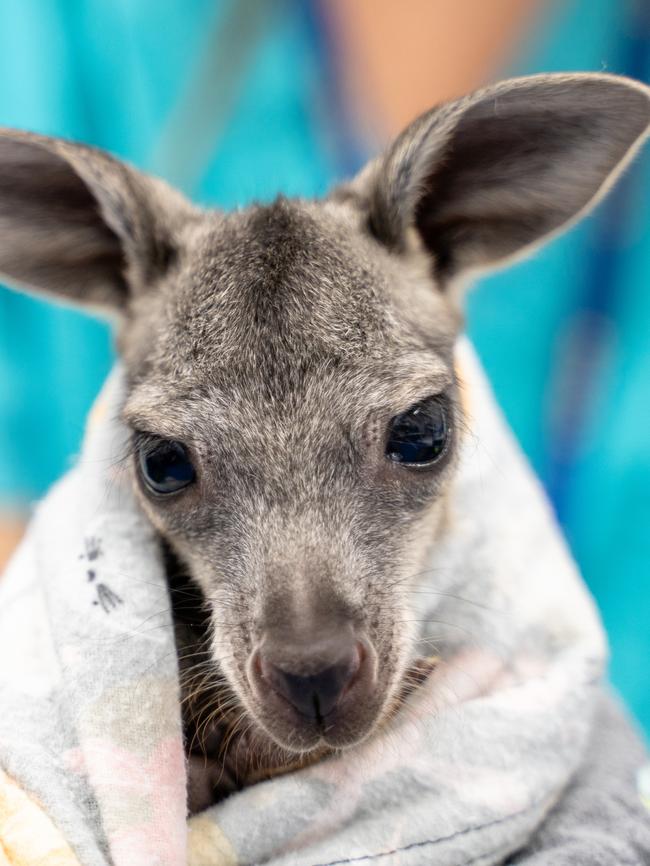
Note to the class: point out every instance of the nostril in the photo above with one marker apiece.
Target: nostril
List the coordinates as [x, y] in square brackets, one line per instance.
[314, 695]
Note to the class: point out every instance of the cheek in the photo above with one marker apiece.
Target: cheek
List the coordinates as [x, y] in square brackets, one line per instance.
[153, 514]
[426, 531]
[181, 520]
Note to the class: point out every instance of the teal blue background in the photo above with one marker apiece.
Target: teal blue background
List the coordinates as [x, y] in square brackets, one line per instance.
[565, 338]
[235, 102]
[135, 77]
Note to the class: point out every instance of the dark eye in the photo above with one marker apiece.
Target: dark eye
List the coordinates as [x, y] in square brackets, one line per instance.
[165, 466]
[419, 437]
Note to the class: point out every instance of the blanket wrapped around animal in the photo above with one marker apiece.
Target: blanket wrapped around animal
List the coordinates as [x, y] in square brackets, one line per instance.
[508, 749]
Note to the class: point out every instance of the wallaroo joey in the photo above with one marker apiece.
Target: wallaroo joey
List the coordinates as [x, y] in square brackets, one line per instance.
[291, 390]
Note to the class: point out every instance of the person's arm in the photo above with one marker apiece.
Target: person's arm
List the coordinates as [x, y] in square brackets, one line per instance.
[601, 820]
[11, 531]
[399, 59]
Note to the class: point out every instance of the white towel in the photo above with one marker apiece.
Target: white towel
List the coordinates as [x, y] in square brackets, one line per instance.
[90, 726]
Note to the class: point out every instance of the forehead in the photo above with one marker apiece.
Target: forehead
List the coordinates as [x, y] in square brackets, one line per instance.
[268, 299]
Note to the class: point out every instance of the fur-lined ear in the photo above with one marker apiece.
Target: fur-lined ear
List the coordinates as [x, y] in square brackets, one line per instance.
[488, 176]
[76, 223]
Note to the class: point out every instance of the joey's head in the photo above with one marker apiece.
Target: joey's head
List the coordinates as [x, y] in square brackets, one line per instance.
[290, 378]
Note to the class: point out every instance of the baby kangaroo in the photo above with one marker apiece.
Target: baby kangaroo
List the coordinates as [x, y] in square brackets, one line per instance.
[291, 389]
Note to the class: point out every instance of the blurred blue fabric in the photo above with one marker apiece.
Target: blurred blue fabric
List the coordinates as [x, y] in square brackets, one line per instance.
[235, 100]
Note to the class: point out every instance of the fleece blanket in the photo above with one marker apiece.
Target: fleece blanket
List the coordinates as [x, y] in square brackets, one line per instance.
[91, 753]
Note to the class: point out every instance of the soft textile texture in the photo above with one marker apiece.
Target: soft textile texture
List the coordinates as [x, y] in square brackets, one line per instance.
[603, 818]
[466, 773]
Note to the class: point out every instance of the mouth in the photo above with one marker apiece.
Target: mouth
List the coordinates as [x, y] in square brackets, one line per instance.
[291, 701]
[249, 741]
[313, 715]
[328, 700]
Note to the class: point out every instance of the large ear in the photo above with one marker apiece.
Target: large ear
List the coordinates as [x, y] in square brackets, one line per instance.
[79, 224]
[488, 176]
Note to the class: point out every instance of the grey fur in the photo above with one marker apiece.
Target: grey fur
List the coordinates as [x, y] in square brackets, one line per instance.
[277, 342]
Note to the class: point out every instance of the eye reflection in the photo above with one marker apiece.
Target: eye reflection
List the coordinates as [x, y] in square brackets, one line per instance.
[419, 436]
[165, 466]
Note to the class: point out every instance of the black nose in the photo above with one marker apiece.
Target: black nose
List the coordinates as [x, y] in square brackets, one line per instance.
[316, 694]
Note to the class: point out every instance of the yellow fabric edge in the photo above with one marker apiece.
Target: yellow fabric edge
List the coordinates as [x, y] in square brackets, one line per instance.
[27, 835]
